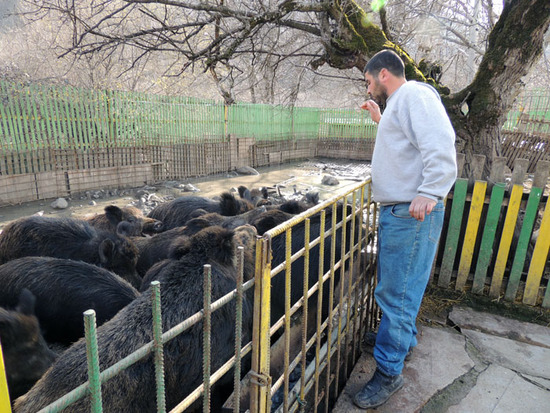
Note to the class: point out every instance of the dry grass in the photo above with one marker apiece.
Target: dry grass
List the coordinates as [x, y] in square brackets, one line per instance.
[438, 302]
[435, 308]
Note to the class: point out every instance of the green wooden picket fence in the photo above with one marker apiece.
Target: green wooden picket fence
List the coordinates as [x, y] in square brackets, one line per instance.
[38, 116]
[532, 104]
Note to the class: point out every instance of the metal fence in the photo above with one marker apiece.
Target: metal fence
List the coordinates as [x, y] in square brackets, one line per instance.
[335, 267]
[333, 245]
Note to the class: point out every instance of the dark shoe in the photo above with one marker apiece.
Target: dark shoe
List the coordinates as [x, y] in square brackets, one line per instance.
[369, 340]
[378, 390]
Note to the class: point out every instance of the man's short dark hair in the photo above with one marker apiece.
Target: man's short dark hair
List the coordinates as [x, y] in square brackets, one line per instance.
[385, 59]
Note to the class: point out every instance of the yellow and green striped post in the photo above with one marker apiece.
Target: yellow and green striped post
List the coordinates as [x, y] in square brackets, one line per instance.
[476, 206]
[5, 405]
[489, 231]
[453, 232]
[538, 261]
[506, 240]
[523, 243]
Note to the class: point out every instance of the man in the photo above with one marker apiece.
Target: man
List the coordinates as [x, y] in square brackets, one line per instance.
[413, 169]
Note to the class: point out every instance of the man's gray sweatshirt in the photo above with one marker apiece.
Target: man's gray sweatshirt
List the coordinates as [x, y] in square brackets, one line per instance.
[414, 153]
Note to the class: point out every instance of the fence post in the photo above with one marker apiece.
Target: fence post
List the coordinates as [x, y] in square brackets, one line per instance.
[93, 361]
[476, 173]
[238, 331]
[496, 175]
[523, 243]
[158, 346]
[207, 329]
[519, 171]
[260, 400]
[451, 242]
[110, 120]
[505, 240]
[292, 111]
[487, 240]
[4, 394]
[460, 161]
[541, 174]
[476, 207]
[226, 121]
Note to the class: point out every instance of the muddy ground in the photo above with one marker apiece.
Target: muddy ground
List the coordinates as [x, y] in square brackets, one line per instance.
[293, 181]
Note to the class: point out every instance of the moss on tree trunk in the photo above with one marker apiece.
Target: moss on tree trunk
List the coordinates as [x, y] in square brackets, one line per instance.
[479, 111]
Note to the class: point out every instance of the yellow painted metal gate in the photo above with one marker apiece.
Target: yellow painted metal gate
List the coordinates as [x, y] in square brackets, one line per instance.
[313, 299]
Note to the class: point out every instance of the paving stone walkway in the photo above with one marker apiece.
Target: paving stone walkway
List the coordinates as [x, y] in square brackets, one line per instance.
[485, 363]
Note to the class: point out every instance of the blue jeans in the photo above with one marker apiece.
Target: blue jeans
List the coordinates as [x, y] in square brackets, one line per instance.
[406, 250]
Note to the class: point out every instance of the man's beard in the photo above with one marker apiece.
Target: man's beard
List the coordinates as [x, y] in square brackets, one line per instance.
[381, 97]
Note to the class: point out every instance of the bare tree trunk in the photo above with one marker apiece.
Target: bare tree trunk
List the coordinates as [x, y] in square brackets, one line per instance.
[479, 111]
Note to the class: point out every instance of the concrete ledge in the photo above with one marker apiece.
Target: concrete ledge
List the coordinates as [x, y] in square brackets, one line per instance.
[501, 326]
[438, 360]
[515, 355]
[499, 389]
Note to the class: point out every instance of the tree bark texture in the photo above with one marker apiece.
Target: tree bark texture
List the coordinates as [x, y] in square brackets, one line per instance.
[479, 111]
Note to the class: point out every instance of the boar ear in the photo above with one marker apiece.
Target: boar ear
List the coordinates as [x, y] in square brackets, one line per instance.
[312, 197]
[106, 251]
[113, 214]
[196, 224]
[124, 229]
[244, 193]
[26, 303]
[229, 205]
[226, 248]
[179, 247]
[198, 213]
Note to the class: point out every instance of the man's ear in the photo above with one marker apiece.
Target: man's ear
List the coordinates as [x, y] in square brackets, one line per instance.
[383, 75]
